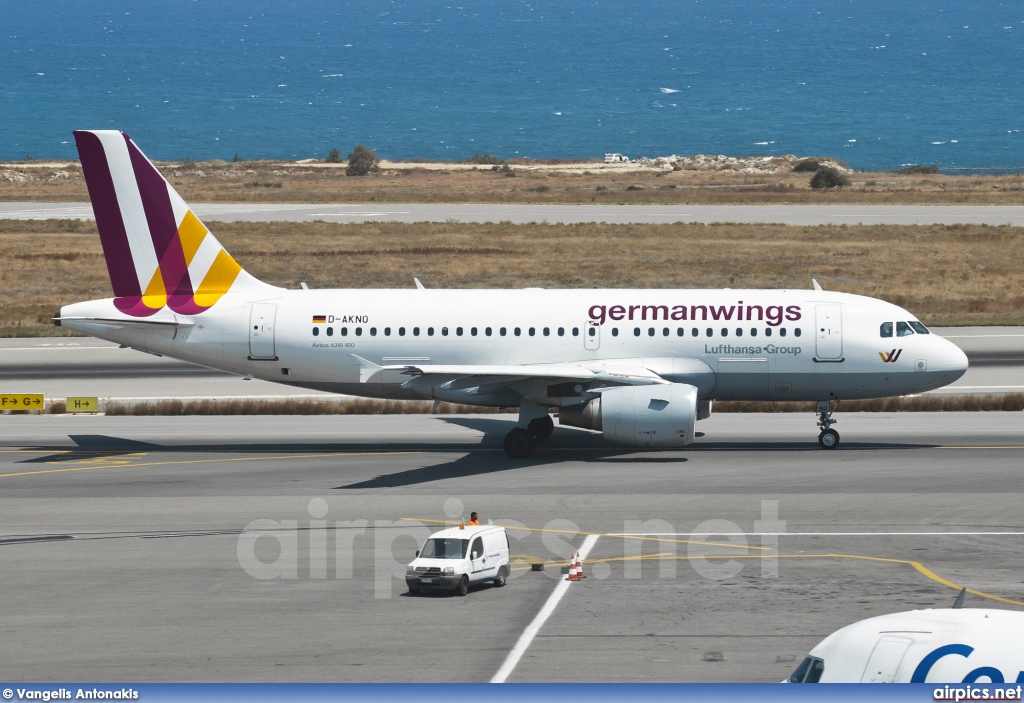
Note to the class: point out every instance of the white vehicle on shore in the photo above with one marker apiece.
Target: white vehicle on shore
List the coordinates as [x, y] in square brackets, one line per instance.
[459, 557]
[610, 158]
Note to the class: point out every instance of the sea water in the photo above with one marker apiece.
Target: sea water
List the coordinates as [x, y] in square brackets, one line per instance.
[877, 83]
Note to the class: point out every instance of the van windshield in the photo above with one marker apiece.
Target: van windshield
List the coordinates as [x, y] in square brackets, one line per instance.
[445, 548]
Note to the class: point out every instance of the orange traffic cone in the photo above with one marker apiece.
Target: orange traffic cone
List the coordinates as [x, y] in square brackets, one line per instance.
[579, 567]
[573, 572]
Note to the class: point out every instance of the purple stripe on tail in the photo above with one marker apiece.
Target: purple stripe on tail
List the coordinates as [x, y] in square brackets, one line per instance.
[116, 249]
[164, 231]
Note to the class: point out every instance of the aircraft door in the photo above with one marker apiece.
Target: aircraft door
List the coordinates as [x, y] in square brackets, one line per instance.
[592, 335]
[829, 333]
[261, 331]
[885, 659]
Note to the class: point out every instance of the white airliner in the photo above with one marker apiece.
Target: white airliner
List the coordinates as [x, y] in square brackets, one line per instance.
[970, 645]
[640, 365]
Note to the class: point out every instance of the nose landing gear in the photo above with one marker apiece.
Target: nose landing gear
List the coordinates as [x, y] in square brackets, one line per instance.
[828, 438]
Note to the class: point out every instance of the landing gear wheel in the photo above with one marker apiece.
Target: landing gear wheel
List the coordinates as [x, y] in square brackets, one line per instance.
[520, 443]
[463, 587]
[829, 439]
[502, 577]
[541, 427]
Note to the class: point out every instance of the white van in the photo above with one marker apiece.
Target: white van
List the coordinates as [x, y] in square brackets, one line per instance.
[456, 558]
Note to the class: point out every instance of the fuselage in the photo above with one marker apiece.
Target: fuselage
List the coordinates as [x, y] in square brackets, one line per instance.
[730, 344]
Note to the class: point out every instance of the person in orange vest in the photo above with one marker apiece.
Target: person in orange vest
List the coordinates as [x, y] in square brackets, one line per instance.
[473, 519]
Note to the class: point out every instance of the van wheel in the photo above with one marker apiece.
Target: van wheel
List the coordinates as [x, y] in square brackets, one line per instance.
[463, 587]
[502, 576]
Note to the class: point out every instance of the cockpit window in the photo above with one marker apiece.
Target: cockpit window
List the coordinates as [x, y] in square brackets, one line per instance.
[918, 327]
[885, 330]
[809, 671]
[903, 329]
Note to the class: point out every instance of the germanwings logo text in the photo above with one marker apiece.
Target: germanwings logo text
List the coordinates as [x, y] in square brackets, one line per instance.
[890, 357]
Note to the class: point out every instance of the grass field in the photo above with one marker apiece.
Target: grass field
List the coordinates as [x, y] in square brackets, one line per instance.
[291, 182]
[947, 275]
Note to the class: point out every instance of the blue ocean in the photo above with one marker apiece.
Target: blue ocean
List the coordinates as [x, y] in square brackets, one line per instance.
[877, 83]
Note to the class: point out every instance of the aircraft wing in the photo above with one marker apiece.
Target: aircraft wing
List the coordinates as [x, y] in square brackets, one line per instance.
[487, 377]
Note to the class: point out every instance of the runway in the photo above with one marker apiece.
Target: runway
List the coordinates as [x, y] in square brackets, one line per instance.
[62, 366]
[803, 215]
[130, 547]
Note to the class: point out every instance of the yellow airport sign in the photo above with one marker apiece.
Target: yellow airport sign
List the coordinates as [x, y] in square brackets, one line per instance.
[82, 405]
[21, 401]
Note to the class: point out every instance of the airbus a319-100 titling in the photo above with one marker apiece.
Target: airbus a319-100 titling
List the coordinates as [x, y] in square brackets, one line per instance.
[641, 366]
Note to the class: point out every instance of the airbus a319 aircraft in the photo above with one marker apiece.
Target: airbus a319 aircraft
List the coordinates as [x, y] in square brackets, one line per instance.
[641, 366]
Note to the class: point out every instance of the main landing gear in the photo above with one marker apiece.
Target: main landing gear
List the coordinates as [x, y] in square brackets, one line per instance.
[828, 438]
[522, 441]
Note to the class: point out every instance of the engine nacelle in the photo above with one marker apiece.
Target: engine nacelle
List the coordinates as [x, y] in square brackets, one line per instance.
[662, 415]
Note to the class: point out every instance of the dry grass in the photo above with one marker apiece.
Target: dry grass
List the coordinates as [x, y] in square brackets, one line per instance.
[366, 406]
[291, 182]
[946, 274]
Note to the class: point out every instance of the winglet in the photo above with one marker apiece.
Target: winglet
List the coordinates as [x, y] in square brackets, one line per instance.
[815, 282]
[367, 369]
[960, 599]
[419, 286]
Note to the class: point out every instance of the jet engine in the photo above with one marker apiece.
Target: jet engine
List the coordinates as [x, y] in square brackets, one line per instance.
[662, 415]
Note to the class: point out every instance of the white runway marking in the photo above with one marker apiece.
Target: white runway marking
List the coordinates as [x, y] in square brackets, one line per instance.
[815, 534]
[534, 627]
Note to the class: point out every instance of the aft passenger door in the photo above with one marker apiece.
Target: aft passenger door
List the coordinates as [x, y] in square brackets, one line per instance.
[261, 331]
[828, 333]
[592, 335]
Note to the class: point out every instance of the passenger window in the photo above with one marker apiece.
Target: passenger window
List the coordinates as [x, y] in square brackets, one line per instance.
[695, 332]
[650, 331]
[903, 329]
[796, 332]
[782, 331]
[401, 331]
[502, 331]
[487, 331]
[636, 331]
[430, 331]
[592, 331]
[415, 331]
[316, 331]
[725, 332]
[710, 332]
[330, 331]
[477, 549]
[561, 331]
[664, 332]
[615, 331]
[359, 331]
[517, 331]
[387, 331]
[680, 332]
[753, 331]
[373, 331]
[768, 332]
[918, 327]
[575, 331]
[547, 331]
[458, 331]
[739, 331]
[472, 331]
[444, 331]
[885, 329]
[533, 331]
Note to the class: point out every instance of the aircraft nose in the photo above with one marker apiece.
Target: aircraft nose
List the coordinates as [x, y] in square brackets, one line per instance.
[954, 359]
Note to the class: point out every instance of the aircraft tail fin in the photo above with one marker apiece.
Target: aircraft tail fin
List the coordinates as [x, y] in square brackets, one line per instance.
[158, 252]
